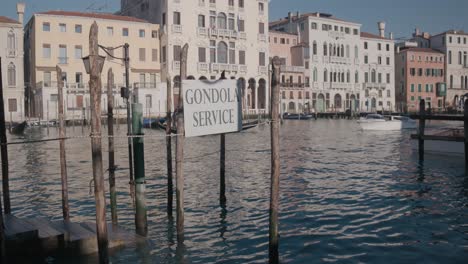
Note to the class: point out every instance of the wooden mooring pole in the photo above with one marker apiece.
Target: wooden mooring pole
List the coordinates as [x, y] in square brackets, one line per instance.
[110, 132]
[465, 124]
[422, 127]
[62, 135]
[170, 187]
[275, 162]
[180, 148]
[222, 170]
[98, 175]
[139, 166]
[4, 168]
[4, 150]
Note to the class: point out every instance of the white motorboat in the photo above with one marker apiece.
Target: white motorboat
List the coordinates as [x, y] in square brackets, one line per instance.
[380, 122]
[442, 146]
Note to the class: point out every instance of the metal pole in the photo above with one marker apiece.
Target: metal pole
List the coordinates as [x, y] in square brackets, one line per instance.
[110, 132]
[170, 187]
[275, 163]
[139, 165]
[129, 120]
[62, 135]
[180, 148]
[98, 175]
[4, 150]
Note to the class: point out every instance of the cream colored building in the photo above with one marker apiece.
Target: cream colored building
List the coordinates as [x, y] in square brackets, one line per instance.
[11, 52]
[62, 38]
[227, 35]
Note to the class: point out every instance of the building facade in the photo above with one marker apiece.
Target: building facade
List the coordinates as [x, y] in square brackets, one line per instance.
[11, 52]
[62, 38]
[419, 72]
[228, 36]
[295, 77]
[337, 62]
[454, 44]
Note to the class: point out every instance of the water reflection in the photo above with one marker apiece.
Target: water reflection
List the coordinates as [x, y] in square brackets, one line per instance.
[346, 196]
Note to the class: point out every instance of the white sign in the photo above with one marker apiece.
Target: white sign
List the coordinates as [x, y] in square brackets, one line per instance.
[211, 107]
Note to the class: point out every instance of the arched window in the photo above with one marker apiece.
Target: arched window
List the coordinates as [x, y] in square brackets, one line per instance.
[462, 82]
[451, 81]
[338, 52]
[314, 48]
[11, 74]
[325, 75]
[330, 50]
[315, 75]
[450, 57]
[222, 52]
[347, 51]
[348, 77]
[325, 49]
[460, 60]
[222, 21]
[342, 77]
[11, 44]
[356, 77]
[373, 77]
[356, 52]
[342, 51]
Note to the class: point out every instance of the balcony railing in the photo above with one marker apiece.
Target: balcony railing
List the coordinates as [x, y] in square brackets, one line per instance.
[292, 85]
[374, 86]
[62, 60]
[202, 31]
[176, 28]
[262, 69]
[202, 66]
[224, 33]
[285, 68]
[262, 37]
[242, 35]
[176, 65]
[243, 68]
[335, 35]
[11, 53]
[147, 85]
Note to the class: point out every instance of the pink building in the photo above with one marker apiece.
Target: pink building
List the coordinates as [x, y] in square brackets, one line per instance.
[418, 73]
[295, 80]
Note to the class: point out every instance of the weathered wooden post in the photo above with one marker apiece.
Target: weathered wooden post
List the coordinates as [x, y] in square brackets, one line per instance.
[275, 162]
[180, 148]
[4, 150]
[4, 169]
[170, 188]
[62, 135]
[96, 64]
[139, 166]
[110, 132]
[466, 133]
[422, 126]
[222, 170]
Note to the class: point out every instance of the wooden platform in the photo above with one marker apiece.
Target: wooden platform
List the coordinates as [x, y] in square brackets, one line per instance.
[40, 236]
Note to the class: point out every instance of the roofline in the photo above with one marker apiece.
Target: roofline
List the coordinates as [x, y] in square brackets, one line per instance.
[89, 17]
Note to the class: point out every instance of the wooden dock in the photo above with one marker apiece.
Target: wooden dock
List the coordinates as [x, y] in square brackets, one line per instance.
[42, 237]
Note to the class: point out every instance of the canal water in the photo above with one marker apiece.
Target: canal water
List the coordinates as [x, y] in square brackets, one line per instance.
[347, 196]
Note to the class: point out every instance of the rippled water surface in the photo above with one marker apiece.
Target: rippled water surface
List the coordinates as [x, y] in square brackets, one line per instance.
[346, 196]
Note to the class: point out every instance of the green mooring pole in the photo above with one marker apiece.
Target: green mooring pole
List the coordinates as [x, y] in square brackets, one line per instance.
[139, 167]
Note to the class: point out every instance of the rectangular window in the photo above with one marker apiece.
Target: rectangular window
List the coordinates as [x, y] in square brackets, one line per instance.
[388, 47]
[201, 21]
[176, 18]
[388, 60]
[78, 52]
[62, 54]
[212, 51]
[201, 54]
[355, 31]
[46, 51]
[79, 77]
[110, 31]
[163, 54]
[153, 79]
[366, 59]
[241, 25]
[241, 3]
[142, 54]
[379, 60]
[365, 45]
[46, 26]
[379, 46]
[78, 29]
[412, 88]
[177, 50]
[154, 55]
[388, 93]
[231, 3]
[241, 57]
[142, 33]
[63, 27]
[261, 8]
[412, 98]
[261, 28]
[12, 105]
[125, 32]
[261, 58]
[427, 88]
[154, 34]
[388, 77]
[419, 88]
[231, 22]
[232, 53]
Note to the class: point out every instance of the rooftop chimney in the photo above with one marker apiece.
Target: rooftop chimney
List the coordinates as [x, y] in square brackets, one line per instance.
[298, 14]
[289, 17]
[381, 26]
[318, 14]
[390, 35]
[416, 32]
[20, 10]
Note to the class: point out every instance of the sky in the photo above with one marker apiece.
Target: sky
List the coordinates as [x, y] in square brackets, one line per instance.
[401, 16]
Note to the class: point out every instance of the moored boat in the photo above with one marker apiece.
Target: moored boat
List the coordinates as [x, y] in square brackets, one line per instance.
[389, 123]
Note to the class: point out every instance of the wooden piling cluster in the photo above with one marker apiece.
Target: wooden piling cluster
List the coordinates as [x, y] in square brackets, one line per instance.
[170, 188]
[110, 132]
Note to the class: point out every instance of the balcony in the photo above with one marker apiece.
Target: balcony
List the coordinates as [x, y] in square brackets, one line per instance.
[223, 33]
[262, 37]
[243, 68]
[262, 69]
[202, 67]
[338, 60]
[176, 65]
[202, 31]
[243, 35]
[147, 85]
[379, 86]
[176, 28]
[11, 53]
[292, 85]
[336, 35]
[221, 67]
[298, 69]
[62, 60]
